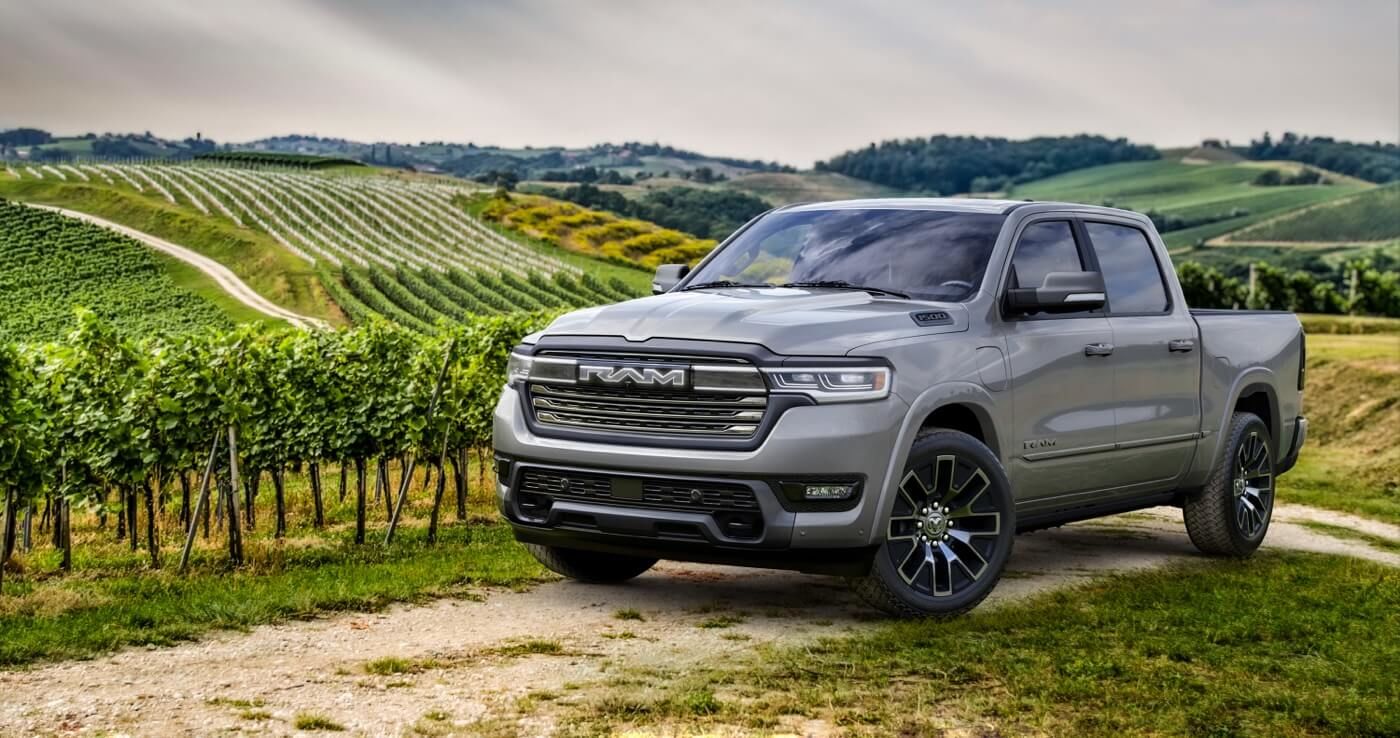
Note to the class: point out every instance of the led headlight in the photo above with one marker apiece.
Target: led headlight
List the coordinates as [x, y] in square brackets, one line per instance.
[518, 368]
[833, 384]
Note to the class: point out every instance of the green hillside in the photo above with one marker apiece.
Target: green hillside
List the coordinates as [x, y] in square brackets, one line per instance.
[1188, 190]
[1373, 215]
[345, 243]
[50, 265]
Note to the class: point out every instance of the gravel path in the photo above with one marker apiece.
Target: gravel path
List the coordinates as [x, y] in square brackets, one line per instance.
[216, 271]
[258, 682]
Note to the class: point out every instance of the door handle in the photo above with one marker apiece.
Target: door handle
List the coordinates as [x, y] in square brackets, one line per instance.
[1182, 345]
[1098, 349]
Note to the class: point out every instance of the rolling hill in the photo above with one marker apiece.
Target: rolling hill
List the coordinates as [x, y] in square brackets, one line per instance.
[350, 242]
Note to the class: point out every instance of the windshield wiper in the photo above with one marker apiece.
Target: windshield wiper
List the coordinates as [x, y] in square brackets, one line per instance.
[719, 283]
[841, 284]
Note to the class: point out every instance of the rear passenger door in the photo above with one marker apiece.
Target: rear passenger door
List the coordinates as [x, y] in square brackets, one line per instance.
[1156, 358]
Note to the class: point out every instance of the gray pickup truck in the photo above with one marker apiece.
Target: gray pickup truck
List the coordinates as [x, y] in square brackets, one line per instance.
[891, 390]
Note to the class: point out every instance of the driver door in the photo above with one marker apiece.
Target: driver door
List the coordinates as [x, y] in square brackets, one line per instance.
[1061, 387]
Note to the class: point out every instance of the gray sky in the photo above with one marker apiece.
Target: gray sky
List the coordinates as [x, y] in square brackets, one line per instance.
[790, 80]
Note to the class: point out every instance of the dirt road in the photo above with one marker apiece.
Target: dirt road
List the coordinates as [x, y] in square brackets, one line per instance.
[481, 657]
[216, 271]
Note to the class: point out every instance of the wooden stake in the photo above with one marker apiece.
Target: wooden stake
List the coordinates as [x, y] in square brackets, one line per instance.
[201, 505]
[235, 536]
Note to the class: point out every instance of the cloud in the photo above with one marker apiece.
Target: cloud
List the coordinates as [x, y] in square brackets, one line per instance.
[794, 80]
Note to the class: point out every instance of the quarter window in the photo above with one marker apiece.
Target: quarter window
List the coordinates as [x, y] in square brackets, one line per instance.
[1046, 246]
[1130, 271]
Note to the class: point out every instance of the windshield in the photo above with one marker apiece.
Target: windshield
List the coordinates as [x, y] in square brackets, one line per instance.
[926, 254]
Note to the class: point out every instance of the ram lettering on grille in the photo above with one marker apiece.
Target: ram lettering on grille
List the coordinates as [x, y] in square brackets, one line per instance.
[641, 376]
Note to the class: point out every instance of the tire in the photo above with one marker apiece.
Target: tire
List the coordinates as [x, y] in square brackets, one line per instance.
[973, 521]
[1231, 514]
[590, 566]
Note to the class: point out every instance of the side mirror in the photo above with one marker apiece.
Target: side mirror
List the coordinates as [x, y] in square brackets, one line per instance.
[668, 276]
[1062, 292]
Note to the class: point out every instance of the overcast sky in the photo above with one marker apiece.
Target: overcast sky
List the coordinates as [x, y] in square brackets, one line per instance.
[796, 81]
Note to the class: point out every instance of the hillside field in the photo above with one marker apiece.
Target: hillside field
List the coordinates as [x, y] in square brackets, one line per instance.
[346, 242]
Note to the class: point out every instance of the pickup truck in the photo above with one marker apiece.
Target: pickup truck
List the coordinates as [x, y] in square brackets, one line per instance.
[891, 390]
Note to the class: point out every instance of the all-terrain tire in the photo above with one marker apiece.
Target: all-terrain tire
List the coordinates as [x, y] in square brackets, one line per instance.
[590, 566]
[1216, 519]
[989, 527]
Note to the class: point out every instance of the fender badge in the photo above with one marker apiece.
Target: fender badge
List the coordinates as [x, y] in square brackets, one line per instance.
[932, 317]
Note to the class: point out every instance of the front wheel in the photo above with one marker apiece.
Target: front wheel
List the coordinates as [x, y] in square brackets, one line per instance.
[1231, 514]
[590, 566]
[950, 532]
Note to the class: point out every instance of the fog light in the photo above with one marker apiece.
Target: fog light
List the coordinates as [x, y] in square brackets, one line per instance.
[828, 491]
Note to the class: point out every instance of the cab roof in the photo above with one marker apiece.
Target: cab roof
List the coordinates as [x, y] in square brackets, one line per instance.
[956, 205]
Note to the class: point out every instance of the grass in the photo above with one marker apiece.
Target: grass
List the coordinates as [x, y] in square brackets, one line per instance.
[114, 599]
[1349, 534]
[1352, 402]
[1280, 645]
[314, 721]
[255, 257]
[628, 614]
[530, 647]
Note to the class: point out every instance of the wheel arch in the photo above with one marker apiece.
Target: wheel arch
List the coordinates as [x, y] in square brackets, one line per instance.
[952, 401]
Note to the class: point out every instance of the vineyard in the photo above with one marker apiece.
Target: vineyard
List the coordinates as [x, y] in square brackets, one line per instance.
[169, 440]
[397, 248]
[50, 264]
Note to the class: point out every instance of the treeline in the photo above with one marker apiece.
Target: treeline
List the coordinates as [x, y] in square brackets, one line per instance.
[104, 423]
[704, 213]
[950, 165]
[637, 148]
[1374, 162]
[1376, 292]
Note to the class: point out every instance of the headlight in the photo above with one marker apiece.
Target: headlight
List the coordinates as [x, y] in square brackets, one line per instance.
[833, 384]
[518, 368]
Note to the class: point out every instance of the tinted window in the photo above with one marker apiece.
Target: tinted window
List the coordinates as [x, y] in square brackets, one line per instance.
[1047, 246]
[1130, 271]
[929, 254]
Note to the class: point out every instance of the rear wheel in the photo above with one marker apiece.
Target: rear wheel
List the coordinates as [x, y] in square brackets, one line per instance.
[949, 534]
[590, 566]
[1231, 514]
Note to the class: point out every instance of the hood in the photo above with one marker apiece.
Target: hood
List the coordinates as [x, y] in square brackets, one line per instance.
[785, 320]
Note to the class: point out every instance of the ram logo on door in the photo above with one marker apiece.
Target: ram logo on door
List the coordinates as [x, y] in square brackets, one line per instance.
[633, 375]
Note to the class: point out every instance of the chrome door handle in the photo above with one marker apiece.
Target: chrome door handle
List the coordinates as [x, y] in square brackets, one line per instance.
[1183, 345]
[1098, 349]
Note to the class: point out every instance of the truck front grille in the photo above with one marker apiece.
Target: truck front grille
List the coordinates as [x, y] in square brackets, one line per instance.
[725, 399]
[650, 412]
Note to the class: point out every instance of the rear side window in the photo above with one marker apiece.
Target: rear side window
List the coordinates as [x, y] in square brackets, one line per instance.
[1045, 247]
[1130, 271]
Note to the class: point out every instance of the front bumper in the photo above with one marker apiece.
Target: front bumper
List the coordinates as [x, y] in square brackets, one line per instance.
[838, 442]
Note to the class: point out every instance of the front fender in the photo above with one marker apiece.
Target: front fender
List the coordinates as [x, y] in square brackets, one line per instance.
[968, 394]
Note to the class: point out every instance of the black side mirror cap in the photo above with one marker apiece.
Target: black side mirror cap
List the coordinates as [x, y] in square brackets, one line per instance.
[1062, 292]
[667, 277]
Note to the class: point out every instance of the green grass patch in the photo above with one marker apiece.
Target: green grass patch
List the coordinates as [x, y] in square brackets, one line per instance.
[628, 614]
[314, 721]
[531, 647]
[1280, 645]
[116, 602]
[1351, 534]
[721, 621]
